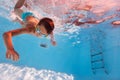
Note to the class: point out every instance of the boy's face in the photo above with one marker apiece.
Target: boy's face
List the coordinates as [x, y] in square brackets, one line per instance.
[42, 29]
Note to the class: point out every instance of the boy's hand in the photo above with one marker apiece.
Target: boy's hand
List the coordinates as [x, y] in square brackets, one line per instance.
[12, 54]
[54, 43]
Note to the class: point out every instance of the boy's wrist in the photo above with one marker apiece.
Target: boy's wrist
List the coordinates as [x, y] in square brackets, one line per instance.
[10, 48]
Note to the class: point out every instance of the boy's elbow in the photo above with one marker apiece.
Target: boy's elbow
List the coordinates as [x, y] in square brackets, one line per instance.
[6, 34]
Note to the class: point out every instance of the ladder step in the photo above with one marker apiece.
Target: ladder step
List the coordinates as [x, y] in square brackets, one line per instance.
[96, 54]
[97, 60]
[98, 68]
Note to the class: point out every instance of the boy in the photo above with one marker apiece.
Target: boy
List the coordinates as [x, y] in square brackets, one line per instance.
[31, 25]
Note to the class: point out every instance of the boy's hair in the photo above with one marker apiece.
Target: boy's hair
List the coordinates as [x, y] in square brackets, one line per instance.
[48, 23]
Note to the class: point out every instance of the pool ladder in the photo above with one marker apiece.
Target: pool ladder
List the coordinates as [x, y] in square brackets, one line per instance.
[97, 37]
[97, 59]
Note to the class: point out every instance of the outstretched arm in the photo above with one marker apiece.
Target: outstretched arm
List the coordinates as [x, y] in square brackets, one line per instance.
[8, 36]
[11, 53]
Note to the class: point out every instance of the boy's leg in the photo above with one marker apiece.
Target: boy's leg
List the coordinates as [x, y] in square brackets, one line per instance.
[19, 4]
[17, 7]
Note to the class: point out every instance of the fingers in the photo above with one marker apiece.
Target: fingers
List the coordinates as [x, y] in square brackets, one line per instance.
[14, 56]
[8, 56]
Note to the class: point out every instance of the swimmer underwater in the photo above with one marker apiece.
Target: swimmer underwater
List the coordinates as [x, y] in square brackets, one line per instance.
[30, 25]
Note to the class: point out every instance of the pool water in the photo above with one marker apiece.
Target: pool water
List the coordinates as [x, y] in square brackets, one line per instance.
[70, 59]
[66, 57]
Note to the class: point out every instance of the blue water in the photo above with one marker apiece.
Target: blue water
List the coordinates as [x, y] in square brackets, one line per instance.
[65, 57]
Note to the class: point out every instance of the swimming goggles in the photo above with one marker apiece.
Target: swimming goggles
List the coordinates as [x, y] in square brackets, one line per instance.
[40, 33]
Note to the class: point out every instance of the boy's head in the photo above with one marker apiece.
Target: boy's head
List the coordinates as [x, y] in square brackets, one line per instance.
[46, 26]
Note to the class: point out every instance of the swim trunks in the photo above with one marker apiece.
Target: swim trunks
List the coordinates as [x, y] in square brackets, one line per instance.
[24, 15]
